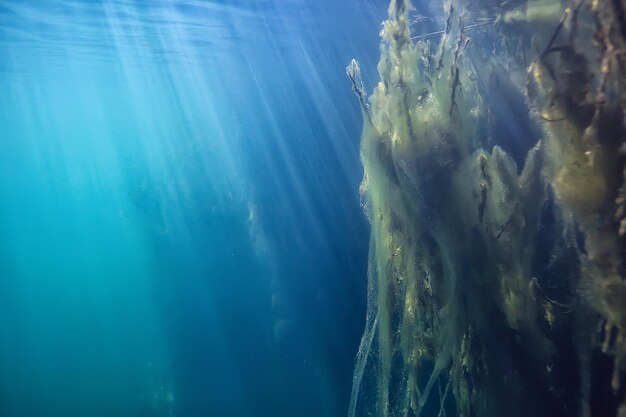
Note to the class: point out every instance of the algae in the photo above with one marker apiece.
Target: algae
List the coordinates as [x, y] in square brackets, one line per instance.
[494, 185]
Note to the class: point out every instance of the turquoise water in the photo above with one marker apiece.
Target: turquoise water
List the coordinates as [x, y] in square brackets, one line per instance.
[180, 230]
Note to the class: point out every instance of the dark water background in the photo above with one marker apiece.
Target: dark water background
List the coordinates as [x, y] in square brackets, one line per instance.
[180, 230]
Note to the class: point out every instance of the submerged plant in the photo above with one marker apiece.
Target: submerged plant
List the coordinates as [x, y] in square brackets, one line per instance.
[494, 184]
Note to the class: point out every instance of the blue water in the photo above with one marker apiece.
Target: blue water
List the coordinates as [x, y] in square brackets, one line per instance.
[180, 229]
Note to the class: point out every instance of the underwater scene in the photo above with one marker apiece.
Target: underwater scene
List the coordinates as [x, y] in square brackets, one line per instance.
[312, 208]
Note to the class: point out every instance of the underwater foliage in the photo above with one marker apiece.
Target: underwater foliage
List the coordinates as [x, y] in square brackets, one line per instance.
[494, 166]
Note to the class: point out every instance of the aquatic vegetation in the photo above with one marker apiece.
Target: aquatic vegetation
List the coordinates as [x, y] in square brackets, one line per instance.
[494, 184]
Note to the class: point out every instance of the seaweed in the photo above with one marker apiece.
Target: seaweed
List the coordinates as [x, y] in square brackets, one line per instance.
[496, 271]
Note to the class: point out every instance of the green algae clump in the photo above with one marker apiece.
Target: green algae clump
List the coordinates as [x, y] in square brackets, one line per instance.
[494, 184]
